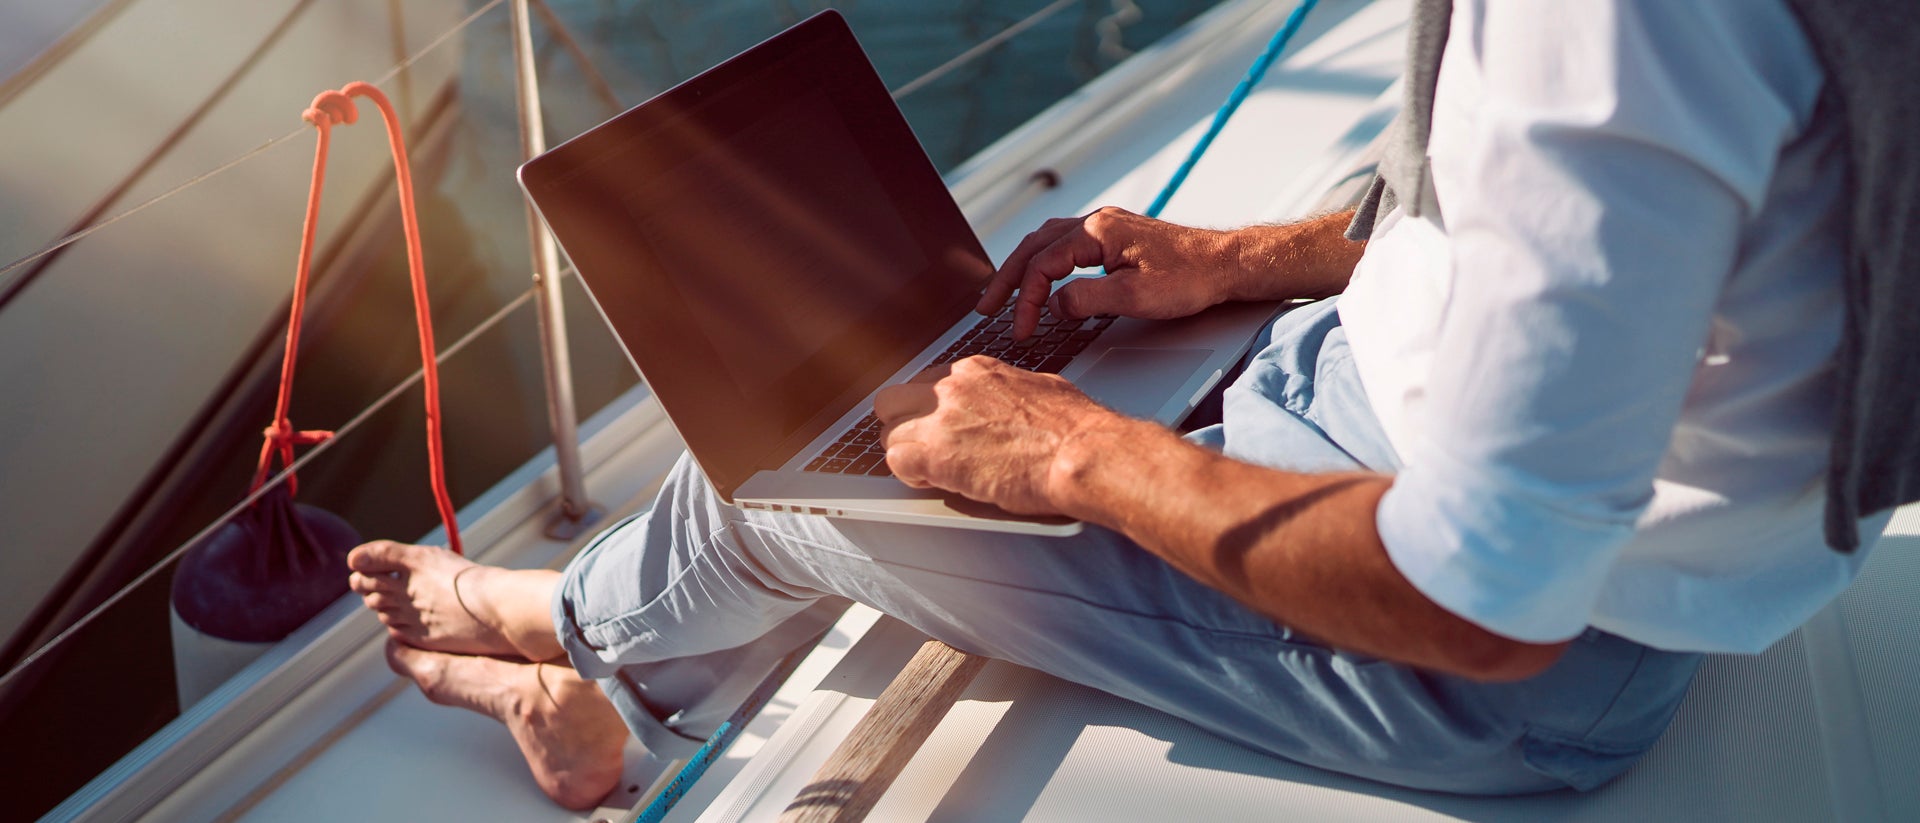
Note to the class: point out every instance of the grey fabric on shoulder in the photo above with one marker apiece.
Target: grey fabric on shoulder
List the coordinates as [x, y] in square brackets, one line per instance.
[1870, 50]
[1404, 170]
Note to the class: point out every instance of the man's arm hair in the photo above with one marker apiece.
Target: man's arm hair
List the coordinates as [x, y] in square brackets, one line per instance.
[1300, 548]
[1311, 258]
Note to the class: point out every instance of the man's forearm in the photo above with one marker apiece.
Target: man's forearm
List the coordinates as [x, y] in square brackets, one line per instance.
[1311, 258]
[1300, 548]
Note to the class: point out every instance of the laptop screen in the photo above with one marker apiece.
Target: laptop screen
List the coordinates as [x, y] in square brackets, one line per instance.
[795, 239]
[764, 238]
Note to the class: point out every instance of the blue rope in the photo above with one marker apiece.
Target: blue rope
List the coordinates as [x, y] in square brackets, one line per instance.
[1259, 69]
[724, 736]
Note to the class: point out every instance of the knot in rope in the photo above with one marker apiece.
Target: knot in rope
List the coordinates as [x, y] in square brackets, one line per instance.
[331, 108]
[281, 437]
[285, 436]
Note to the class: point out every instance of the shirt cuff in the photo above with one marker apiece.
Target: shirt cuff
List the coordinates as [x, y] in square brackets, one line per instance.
[1516, 567]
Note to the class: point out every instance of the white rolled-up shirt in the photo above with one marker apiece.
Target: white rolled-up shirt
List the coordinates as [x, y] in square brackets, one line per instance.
[1606, 362]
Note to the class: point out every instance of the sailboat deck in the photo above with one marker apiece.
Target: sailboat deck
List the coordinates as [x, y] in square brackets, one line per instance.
[1820, 727]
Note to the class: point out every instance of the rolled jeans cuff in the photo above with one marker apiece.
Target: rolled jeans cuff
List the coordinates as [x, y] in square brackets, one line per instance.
[659, 734]
[674, 704]
[657, 729]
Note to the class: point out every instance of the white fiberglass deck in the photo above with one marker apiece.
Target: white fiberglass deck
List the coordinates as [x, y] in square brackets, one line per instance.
[1821, 727]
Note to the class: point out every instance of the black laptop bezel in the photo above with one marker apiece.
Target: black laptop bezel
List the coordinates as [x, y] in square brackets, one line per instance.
[731, 437]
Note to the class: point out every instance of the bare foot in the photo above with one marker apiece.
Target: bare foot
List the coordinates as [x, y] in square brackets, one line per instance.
[569, 733]
[431, 598]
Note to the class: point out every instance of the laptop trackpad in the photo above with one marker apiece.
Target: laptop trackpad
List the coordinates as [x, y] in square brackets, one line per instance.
[1137, 382]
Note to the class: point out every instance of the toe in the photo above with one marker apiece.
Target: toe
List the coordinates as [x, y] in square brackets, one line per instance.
[408, 661]
[427, 670]
[385, 602]
[397, 654]
[372, 583]
[381, 557]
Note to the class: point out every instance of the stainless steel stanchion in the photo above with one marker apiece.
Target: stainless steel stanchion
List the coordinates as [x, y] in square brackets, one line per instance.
[576, 511]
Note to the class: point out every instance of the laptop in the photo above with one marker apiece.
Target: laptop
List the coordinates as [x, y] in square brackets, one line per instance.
[772, 245]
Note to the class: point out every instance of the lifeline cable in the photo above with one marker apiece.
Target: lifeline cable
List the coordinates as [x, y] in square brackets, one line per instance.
[328, 109]
[75, 237]
[979, 48]
[359, 419]
[1254, 72]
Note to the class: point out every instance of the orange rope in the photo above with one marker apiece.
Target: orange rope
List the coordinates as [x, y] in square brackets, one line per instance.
[330, 108]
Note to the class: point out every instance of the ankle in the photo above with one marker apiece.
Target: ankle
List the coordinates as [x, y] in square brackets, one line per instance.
[514, 604]
[529, 705]
[474, 589]
[525, 612]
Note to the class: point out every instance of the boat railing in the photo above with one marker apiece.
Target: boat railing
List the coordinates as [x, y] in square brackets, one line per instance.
[34, 659]
[574, 507]
[570, 510]
[14, 274]
[576, 512]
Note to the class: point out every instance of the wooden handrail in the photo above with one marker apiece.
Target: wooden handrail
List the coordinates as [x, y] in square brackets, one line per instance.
[859, 771]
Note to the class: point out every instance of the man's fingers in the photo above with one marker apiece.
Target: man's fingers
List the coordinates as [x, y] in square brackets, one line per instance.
[903, 401]
[906, 455]
[1046, 255]
[1014, 268]
[1115, 293]
[933, 374]
[908, 462]
[1071, 250]
[1032, 300]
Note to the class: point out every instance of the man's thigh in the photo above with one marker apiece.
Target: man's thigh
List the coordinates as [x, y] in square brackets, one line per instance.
[1098, 610]
[1299, 404]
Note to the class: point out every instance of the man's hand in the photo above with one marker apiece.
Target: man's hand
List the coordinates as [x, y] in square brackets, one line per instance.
[985, 430]
[1159, 270]
[1155, 269]
[1300, 548]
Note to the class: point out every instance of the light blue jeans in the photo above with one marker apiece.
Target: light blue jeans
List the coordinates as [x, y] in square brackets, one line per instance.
[680, 611]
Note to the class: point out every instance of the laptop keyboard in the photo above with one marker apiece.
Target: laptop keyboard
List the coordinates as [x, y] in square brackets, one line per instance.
[1048, 351]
